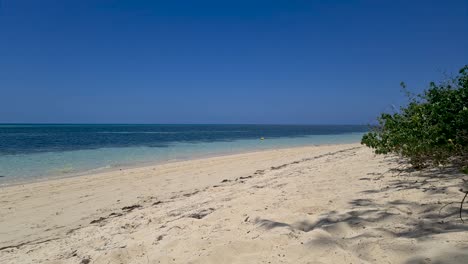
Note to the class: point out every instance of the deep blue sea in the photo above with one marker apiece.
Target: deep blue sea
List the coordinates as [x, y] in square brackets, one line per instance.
[31, 152]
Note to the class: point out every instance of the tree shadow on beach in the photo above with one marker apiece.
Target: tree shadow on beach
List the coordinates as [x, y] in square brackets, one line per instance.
[371, 217]
[431, 181]
[418, 220]
[366, 213]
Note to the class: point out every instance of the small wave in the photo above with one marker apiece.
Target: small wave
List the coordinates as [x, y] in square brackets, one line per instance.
[64, 170]
[139, 132]
[168, 132]
[22, 134]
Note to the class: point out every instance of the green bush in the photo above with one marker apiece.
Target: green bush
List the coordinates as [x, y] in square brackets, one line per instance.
[431, 130]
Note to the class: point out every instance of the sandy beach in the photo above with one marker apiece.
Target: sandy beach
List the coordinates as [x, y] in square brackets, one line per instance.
[322, 204]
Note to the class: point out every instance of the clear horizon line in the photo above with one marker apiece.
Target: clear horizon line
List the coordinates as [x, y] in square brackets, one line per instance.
[285, 124]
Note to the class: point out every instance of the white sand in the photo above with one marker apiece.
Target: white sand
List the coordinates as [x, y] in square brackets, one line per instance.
[327, 204]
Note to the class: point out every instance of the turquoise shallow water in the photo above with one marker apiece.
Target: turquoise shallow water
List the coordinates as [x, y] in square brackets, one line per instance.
[38, 152]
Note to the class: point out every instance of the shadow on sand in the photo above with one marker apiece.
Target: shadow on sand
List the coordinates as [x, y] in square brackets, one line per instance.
[415, 220]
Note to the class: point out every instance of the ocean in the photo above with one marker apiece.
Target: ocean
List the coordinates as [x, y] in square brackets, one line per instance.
[31, 152]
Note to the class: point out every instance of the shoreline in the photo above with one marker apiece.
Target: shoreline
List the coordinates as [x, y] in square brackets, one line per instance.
[100, 183]
[329, 204]
[137, 165]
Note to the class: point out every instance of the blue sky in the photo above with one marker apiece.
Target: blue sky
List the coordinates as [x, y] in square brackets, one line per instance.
[307, 62]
